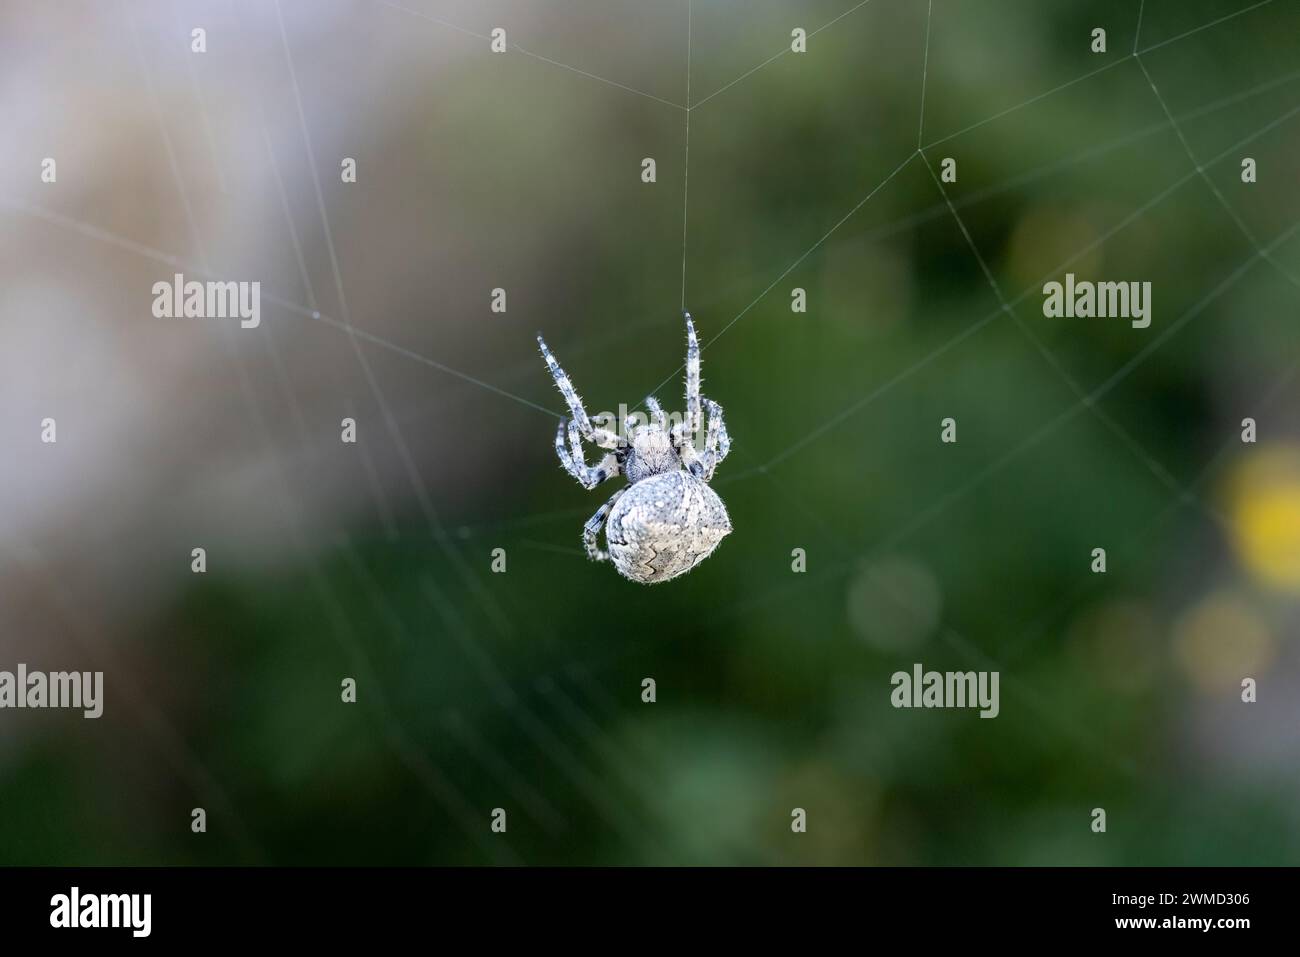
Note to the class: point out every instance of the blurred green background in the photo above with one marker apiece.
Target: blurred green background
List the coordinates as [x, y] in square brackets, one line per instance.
[523, 690]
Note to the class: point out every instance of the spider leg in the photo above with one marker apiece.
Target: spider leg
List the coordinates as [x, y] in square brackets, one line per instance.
[602, 437]
[656, 410]
[692, 378]
[691, 460]
[588, 476]
[608, 467]
[594, 525]
[717, 443]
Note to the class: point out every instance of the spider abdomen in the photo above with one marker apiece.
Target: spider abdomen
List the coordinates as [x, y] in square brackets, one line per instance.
[665, 525]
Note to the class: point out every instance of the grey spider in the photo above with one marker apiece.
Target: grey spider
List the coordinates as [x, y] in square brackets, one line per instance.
[666, 520]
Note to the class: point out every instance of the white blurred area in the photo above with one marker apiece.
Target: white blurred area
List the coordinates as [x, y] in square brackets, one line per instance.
[174, 433]
[178, 433]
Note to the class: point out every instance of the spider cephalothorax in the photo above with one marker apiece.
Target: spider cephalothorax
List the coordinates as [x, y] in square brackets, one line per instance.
[666, 520]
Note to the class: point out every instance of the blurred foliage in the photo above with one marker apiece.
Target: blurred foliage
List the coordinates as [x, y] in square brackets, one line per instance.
[523, 690]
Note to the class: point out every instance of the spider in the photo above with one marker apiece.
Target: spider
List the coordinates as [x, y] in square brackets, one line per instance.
[666, 520]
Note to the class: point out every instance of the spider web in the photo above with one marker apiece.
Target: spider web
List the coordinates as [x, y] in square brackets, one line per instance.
[566, 715]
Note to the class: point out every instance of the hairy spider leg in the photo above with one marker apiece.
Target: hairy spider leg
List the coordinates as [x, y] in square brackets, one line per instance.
[601, 437]
[575, 463]
[691, 460]
[594, 524]
[717, 443]
[692, 379]
[656, 410]
[631, 422]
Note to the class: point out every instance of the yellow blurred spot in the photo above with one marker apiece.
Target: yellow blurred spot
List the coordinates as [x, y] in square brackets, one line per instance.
[1048, 235]
[1266, 515]
[1221, 640]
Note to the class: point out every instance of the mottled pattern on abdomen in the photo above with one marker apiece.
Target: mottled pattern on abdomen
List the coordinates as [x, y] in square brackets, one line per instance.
[665, 525]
